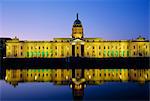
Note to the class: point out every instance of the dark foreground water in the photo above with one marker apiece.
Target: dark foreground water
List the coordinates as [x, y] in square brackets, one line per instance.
[45, 91]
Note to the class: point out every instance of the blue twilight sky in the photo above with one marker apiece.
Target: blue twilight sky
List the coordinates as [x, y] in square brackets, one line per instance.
[46, 19]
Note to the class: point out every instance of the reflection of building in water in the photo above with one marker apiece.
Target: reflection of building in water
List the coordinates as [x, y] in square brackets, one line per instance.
[78, 46]
[60, 76]
[77, 79]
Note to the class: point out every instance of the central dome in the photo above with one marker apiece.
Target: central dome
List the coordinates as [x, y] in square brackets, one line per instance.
[77, 29]
[77, 22]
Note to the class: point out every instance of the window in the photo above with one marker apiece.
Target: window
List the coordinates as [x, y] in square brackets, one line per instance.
[20, 75]
[31, 47]
[27, 54]
[108, 53]
[21, 47]
[55, 47]
[112, 53]
[108, 47]
[134, 47]
[116, 53]
[99, 47]
[87, 53]
[39, 47]
[104, 53]
[127, 53]
[104, 47]
[21, 53]
[127, 47]
[146, 53]
[135, 74]
[93, 47]
[134, 53]
[42, 54]
[99, 53]
[47, 47]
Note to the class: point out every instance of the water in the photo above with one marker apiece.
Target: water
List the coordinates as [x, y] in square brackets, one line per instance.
[49, 91]
[64, 84]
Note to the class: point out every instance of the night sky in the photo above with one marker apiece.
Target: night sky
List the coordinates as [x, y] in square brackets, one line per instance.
[48, 19]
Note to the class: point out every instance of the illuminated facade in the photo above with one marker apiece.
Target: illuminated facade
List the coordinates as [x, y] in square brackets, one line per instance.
[60, 76]
[78, 46]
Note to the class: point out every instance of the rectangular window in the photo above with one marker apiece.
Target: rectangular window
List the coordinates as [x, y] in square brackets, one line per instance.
[104, 53]
[127, 53]
[27, 54]
[42, 54]
[21, 53]
[99, 53]
[112, 53]
[21, 47]
[116, 53]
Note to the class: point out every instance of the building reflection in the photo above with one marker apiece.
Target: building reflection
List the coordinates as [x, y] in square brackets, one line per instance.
[77, 79]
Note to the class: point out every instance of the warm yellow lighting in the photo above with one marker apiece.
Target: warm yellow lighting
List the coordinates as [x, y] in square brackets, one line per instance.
[35, 77]
[71, 86]
[89, 47]
[80, 86]
[120, 77]
[89, 76]
[6, 77]
[145, 76]
[67, 77]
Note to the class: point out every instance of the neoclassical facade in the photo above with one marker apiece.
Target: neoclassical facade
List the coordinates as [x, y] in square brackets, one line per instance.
[78, 46]
[65, 75]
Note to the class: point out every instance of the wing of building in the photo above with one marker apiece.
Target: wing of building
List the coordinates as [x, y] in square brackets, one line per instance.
[78, 46]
